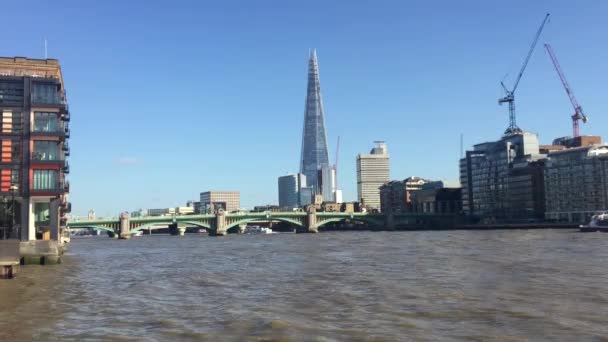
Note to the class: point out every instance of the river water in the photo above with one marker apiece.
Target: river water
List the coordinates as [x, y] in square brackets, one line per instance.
[342, 286]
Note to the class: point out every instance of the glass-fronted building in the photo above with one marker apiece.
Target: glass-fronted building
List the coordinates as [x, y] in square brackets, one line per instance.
[576, 183]
[503, 180]
[290, 187]
[34, 137]
[314, 155]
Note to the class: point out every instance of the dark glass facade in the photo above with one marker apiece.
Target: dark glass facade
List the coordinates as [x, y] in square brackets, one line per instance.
[314, 140]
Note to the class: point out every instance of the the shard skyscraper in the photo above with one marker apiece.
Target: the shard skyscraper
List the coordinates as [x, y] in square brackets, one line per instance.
[314, 140]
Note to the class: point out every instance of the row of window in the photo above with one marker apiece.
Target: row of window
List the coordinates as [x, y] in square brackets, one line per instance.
[43, 93]
[43, 179]
[11, 122]
[44, 150]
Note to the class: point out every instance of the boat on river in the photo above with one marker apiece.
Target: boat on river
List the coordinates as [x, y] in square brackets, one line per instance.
[598, 223]
[258, 230]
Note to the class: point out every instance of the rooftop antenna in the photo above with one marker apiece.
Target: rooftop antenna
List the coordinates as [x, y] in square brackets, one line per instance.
[46, 55]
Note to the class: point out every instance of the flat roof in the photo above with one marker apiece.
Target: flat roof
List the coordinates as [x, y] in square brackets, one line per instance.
[33, 67]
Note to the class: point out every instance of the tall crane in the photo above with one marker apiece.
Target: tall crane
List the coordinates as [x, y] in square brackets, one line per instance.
[578, 110]
[510, 94]
[336, 164]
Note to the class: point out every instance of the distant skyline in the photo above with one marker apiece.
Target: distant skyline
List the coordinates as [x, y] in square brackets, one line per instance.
[172, 98]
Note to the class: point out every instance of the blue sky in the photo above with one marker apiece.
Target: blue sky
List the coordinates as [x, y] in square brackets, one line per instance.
[171, 98]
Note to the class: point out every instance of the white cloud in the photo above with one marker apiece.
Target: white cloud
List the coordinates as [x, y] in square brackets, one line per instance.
[127, 161]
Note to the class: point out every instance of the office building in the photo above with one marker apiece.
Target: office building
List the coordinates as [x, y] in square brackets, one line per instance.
[327, 183]
[197, 207]
[289, 190]
[372, 172]
[395, 196]
[161, 211]
[91, 214]
[576, 183]
[306, 196]
[314, 155]
[502, 181]
[188, 210]
[34, 137]
[436, 201]
[139, 213]
[228, 200]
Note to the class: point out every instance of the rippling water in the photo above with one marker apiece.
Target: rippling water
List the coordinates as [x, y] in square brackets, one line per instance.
[346, 286]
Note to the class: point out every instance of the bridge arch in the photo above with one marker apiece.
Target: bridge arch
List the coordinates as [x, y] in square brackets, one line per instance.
[107, 229]
[269, 218]
[371, 220]
[148, 225]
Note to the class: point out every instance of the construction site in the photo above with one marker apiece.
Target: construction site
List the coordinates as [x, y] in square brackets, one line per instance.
[516, 179]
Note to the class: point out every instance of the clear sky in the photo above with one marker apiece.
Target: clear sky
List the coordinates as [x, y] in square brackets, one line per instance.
[171, 98]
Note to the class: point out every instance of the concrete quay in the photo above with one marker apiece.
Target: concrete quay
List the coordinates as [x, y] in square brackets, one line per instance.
[9, 258]
[14, 253]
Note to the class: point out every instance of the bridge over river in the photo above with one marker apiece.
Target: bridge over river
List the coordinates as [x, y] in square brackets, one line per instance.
[220, 222]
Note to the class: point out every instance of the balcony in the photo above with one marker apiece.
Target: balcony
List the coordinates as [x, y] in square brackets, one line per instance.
[66, 186]
[67, 131]
[66, 116]
[38, 158]
[66, 167]
[66, 208]
[66, 149]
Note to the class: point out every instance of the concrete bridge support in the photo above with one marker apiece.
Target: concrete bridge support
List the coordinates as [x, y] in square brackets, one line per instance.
[219, 223]
[124, 226]
[175, 229]
[311, 219]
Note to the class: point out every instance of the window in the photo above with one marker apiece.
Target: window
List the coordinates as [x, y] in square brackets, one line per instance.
[46, 179]
[11, 151]
[41, 213]
[11, 122]
[45, 150]
[45, 93]
[46, 122]
[11, 92]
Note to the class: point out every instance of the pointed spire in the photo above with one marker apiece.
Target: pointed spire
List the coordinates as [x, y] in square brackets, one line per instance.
[314, 140]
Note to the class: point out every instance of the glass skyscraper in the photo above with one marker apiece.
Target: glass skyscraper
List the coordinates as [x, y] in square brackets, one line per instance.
[314, 140]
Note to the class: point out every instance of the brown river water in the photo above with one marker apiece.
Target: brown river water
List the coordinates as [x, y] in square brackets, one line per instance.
[334, 286]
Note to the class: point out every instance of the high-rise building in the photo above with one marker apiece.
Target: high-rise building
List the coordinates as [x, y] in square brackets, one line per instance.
[576, 183]
[327, 183]
[228, 200]
[372, 172]
[503, 180]
[91, 215]
[290, 187]
[33, 135]
[306, 196]
[314, 140]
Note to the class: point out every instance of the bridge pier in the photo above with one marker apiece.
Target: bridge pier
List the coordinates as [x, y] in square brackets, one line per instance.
[124, 226]
[175, 230]
[311, 219]
[219, 223]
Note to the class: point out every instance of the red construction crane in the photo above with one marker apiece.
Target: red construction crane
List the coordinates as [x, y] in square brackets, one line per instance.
[578, 110]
